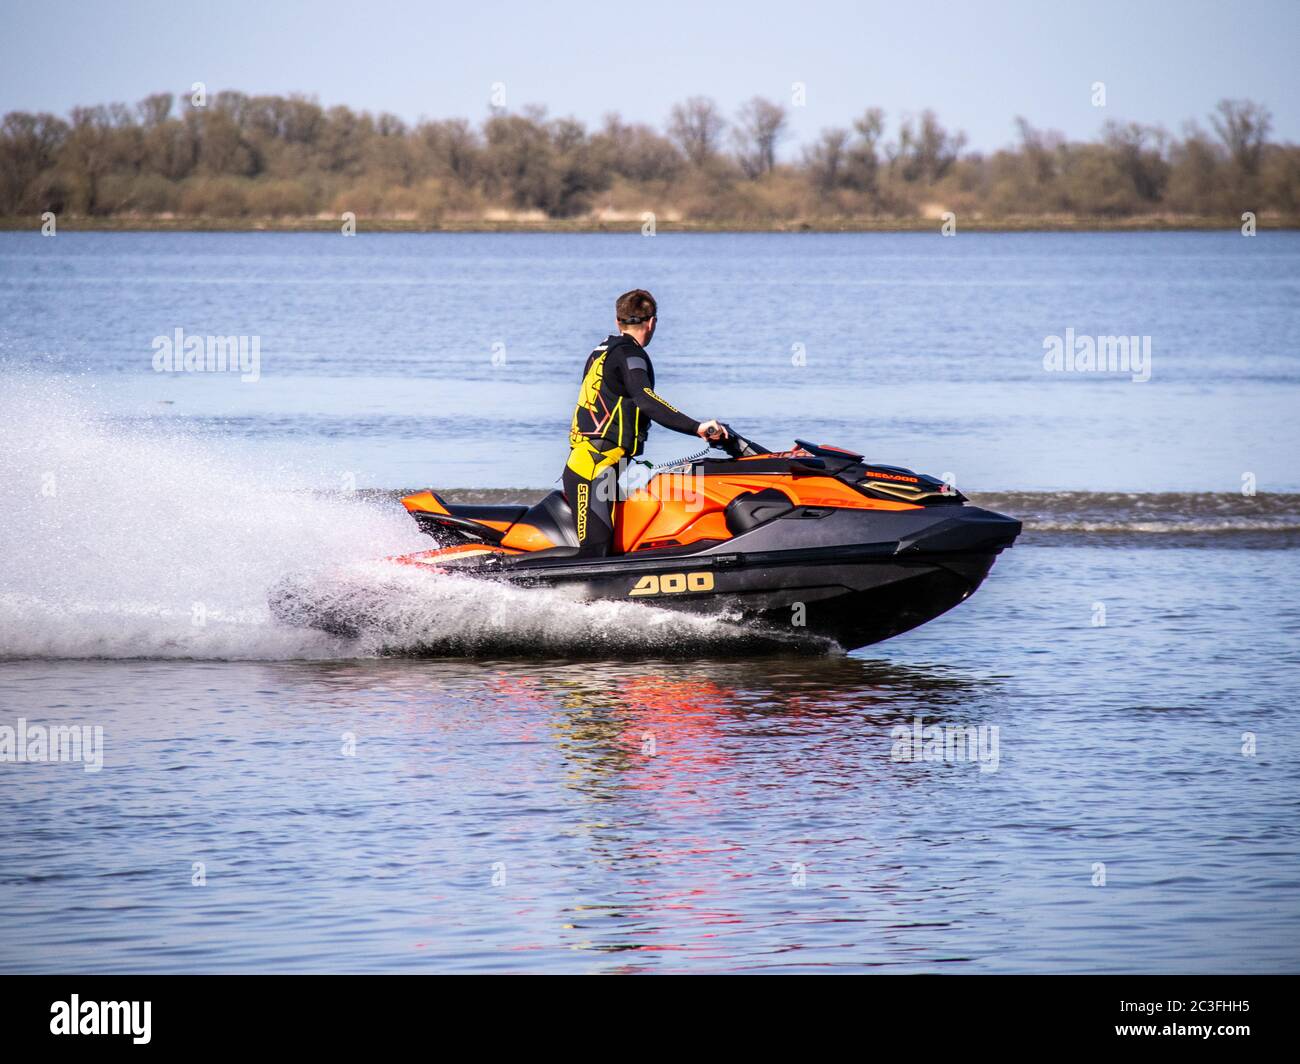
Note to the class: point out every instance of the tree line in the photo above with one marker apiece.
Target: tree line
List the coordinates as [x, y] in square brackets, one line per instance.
[240, 156]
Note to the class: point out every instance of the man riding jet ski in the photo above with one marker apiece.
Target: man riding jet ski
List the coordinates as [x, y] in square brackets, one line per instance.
[814, 539]
[616, 404]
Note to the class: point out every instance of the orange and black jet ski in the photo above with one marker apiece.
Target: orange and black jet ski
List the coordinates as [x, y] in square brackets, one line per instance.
[813, 538]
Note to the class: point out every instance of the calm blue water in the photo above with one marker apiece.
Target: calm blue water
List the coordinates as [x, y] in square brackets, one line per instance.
[639, 796]
[377, 350]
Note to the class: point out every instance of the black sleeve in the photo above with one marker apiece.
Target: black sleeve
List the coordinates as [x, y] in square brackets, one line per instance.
[638, 388]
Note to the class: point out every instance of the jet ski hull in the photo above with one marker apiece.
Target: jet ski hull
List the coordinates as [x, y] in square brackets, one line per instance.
[811, 541]
[828, 583]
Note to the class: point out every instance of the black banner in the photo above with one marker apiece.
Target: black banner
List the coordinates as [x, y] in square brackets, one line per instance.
[215, 1013]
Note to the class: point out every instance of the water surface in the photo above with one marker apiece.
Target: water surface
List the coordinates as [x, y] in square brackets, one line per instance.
[636, 792]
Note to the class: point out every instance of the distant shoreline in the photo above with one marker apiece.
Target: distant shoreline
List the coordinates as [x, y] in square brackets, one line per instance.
[1050, 224]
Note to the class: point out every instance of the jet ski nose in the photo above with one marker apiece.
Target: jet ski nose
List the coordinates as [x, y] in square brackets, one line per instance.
[970, 529]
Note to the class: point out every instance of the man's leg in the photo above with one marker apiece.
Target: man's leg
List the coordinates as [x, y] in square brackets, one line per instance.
[592, 498]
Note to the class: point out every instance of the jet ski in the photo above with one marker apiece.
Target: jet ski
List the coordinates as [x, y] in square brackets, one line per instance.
[813, 539]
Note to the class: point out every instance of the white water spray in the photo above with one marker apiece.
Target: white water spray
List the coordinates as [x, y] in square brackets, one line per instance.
[120, 542]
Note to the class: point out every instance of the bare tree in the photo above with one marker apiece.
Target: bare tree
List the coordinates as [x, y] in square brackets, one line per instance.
[936, 148]
[862, 164]
[1140, 152]
[548, 165]
[825, 160]
[30, 146]
[761, 124]
[258, 156]
[926, 150]
[637, 152]
[1243, 126]
[1040, 149]
[696, 127]
[89, 152]
[154, 110]
[454, 146]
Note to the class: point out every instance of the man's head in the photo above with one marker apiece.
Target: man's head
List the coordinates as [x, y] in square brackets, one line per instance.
[637, 315]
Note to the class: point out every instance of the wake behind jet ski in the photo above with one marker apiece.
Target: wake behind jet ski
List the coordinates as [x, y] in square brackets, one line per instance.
[812, 539]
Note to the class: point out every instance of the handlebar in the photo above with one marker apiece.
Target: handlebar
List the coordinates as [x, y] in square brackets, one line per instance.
[735, 445]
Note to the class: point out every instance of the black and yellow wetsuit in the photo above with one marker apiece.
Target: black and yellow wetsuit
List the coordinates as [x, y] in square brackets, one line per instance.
[616, 404]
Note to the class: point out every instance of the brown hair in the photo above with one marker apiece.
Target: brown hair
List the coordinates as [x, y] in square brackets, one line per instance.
[635, 307]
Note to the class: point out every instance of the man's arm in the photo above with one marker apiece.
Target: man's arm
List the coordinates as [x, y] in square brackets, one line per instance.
[660, 412]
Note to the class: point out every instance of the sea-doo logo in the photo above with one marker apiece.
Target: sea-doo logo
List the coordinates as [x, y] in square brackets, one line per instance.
[582, 511]
[672, 583]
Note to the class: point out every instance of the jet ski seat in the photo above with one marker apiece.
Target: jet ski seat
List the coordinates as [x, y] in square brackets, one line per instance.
[507, 515]
[553, 517]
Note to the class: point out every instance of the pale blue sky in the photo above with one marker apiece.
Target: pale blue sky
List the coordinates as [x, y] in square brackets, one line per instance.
[977, 64]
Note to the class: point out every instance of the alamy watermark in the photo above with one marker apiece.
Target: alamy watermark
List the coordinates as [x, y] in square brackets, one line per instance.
[35, 743]
[686, 487]
[1098, 354]
[77, 1017]
[947, 742]
[179, 353]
